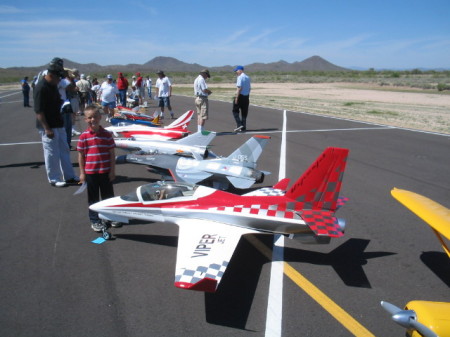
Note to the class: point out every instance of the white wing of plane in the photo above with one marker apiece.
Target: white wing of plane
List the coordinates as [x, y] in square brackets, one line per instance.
[204, 251]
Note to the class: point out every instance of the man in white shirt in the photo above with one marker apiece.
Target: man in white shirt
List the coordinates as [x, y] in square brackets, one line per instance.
[163, 92]
[148, 84]
[202, 92]
[108, 92]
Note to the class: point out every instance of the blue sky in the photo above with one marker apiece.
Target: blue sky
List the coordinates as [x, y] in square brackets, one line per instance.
[369, 34]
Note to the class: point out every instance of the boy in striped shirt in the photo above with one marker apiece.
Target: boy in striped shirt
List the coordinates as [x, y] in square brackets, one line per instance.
[96, 160]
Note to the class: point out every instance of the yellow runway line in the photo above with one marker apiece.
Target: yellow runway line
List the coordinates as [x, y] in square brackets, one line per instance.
[327, 303]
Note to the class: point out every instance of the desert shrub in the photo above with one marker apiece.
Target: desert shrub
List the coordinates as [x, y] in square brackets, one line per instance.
[443, 86]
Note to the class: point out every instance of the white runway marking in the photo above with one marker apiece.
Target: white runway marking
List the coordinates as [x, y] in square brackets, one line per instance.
[274, 316]
[23, 143]
[14, 93]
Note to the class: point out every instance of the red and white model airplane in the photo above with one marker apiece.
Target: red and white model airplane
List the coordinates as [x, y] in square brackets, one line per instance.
[211, 222]
[175, 130]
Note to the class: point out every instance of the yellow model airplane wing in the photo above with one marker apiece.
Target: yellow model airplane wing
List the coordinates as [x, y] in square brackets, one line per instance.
[436, 215]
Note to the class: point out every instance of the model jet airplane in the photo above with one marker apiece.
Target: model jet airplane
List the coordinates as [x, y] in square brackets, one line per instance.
[126, 116]
[239, 168]
[175, 130]
[195, 145]
[211, 222]
[424, 318]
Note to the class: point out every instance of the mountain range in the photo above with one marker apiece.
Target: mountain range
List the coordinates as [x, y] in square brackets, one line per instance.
[170, 64]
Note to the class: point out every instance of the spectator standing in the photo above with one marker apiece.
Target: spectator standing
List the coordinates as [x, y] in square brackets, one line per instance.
[202, 92]
[140, 86]
[97, 163]
[108, 92]
[148, 84]
[95, 89]
[64, 86]
[47, 105]
[84, 87]
[26, 92]
[242, 99]
[122, 86]
[164, 92]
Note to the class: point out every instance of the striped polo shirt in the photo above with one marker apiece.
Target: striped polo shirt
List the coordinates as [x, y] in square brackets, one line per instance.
[96, 147]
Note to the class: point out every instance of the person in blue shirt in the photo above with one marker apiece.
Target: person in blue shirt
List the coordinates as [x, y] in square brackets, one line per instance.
[241, 100]
[25, 92]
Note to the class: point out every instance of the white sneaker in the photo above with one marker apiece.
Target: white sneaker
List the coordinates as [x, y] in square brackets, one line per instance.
[58, 183]
[75, 132]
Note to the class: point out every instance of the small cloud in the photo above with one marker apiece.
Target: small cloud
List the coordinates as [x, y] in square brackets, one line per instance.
[5, 9]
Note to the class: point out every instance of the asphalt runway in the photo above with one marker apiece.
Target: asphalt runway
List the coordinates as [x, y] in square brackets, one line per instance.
[56, 282]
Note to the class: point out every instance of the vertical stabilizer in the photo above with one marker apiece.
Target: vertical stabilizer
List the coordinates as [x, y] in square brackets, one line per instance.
[319, 186]
[249, 152]
[182, 121]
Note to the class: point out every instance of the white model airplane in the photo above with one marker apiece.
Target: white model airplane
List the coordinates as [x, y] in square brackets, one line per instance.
[195, 145]
[211, 222]
[175, 130]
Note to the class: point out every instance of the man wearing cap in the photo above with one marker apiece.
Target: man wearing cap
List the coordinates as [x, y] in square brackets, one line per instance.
[108, 92]
[50, 123]
[202, 92]
[241, 100]
[163, 92]
[83, 86]
[122, 86]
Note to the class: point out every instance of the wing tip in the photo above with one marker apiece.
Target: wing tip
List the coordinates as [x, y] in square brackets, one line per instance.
[208, 285]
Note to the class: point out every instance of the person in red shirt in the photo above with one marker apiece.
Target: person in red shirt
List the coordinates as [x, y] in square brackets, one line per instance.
[140, 86]
[96, 160]
[122, 85]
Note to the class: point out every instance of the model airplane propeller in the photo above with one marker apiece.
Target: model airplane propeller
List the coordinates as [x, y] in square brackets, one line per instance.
[211, 222]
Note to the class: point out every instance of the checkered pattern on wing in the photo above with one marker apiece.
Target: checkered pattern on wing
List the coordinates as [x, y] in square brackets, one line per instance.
[279, 211]
[322, 223]
[267, 191]
[214, 271]
[341, 202]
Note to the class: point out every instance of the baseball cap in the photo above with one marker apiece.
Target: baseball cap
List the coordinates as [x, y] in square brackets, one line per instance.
[120, 74]
[238, 68]
[109, 76]
[138, 74]
[83, 76]
[160, 72]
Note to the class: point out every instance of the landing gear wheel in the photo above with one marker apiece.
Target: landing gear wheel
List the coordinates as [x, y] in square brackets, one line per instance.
[106, 235]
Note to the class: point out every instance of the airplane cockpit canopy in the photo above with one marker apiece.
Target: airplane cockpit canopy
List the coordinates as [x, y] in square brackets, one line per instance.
[160, 191]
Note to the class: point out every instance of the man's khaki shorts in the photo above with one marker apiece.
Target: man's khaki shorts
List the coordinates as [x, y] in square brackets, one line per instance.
[202, 107]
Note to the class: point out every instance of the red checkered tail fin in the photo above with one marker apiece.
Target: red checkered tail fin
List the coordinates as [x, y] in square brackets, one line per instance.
[318, 188]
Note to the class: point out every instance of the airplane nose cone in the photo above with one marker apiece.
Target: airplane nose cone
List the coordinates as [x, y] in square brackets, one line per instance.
[99, 206]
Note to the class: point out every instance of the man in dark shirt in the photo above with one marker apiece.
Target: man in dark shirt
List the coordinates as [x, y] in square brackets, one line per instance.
[49, 121]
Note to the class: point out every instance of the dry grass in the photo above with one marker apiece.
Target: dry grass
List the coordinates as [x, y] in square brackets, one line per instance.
[396, 106]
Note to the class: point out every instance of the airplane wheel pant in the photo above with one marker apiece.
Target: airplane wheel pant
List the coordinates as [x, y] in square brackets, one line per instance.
[57, 156]
[242, 105]
[98, 185]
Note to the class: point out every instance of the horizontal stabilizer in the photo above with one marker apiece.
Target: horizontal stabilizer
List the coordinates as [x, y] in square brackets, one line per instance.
[282, 184]
[322, 223]
[240, 182]
[203, 138]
